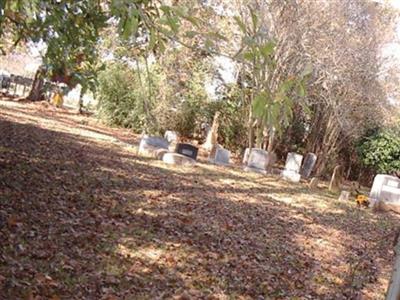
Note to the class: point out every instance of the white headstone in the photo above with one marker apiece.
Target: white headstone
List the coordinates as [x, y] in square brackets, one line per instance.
[385, 188]
[293, 162]
[292, 167]
[246, 156]
[171, 136]
[149, 145]
[258, 159]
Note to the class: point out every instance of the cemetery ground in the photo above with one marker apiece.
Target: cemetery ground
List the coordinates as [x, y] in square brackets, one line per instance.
[83, 217]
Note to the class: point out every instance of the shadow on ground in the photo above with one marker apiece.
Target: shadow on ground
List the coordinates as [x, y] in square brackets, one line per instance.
[86, 220]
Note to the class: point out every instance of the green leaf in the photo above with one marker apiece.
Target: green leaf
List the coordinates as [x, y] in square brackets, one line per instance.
[191, 34]
[301, 90]
[153, 39]
[193, 20]
[254, 17]
[260, 103]
[240, 24]
[305, 108]
[130, 27]
[173, 23]
[267, 49]
[308, 69]
[285, 86]
[249, 55]
[216, 36]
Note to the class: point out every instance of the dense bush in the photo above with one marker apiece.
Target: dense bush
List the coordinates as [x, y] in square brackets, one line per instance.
[381, 151]
[175, 106]
[120, 98]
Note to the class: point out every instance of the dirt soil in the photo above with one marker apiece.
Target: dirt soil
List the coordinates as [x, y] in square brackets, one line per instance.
[83, 217]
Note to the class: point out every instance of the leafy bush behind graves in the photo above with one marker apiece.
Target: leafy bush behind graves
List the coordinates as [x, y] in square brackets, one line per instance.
[381, 150]
[181, 106]
[120, 98]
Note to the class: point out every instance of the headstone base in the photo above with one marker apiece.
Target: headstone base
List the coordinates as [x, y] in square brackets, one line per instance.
[148, 151]
[160, 153]
[255, 170]
[218, 163]
[291, 176]
[178, 159]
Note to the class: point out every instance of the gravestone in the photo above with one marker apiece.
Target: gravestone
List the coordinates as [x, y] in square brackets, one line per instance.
[149, 145]
[386, 191]
[336, 179]
[313, 183]
[222, 156]
[344, 196]
[258, 161]
[292, 167]
[308, 165]
[187, 150]
[205, 129]
[178, 159]
[212, 136]
[213, 152]
[246, 156]
[171, 136]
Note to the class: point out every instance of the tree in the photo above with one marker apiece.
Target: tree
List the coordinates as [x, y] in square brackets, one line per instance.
[276, 80]
[71, 30]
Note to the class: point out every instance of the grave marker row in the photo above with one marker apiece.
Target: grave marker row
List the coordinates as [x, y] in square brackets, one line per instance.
[184, 154]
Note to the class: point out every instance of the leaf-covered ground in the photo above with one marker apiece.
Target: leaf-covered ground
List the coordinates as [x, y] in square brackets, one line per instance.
[83, 217]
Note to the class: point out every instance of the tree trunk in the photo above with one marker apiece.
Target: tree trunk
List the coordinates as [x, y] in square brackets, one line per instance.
[80, 102]
[393, 292]
[271, 140]
[250, 132]
[37, 91]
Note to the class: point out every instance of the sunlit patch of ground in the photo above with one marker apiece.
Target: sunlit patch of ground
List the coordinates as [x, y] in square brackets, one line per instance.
[82, 216]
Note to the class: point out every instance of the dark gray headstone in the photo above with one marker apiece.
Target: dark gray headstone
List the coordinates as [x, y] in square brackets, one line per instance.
[308, 165]
[187, 150]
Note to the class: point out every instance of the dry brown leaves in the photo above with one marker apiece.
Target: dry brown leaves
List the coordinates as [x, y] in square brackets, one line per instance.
[82, 217]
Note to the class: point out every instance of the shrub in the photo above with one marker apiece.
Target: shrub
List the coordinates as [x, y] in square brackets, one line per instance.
[175, 106]
[381, 151]
[123, 96]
